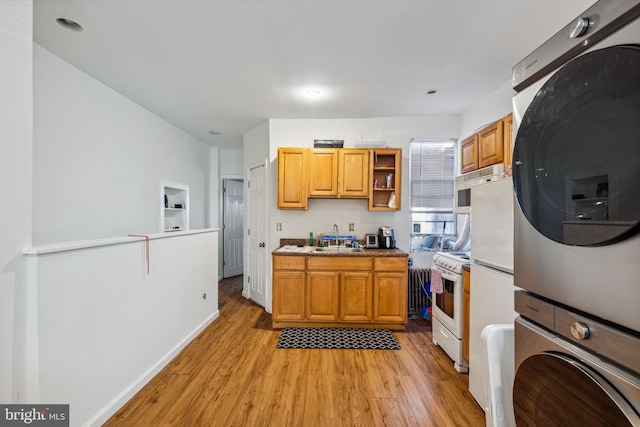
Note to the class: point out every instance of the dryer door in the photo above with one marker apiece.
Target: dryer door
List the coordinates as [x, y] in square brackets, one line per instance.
[576, 174]
[552, 389]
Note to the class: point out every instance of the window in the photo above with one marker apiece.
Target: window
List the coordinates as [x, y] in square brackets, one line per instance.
[431, 177]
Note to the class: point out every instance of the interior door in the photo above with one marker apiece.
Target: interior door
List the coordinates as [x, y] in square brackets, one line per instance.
[233, 227]
[256, 235]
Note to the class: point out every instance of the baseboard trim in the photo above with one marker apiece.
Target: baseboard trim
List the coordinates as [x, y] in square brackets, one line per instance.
[125, 395]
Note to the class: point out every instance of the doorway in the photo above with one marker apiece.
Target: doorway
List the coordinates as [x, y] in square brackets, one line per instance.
[232, 227]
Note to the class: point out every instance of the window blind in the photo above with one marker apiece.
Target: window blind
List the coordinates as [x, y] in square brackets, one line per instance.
[432, 175]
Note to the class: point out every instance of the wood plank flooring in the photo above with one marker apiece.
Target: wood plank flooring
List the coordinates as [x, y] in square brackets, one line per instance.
[232, 374]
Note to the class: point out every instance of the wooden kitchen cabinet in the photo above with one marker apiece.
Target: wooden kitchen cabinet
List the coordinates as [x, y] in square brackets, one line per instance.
[322, 291]
[338, 172]
[305, 173]
[322, 295]
[490, 145]
[288, 288]
[390, 290]
[292, 178]
[357, 296]
[384, 162]
[507, 131]
[466, 283]
[353, 172]
[323, 172]
[469, 154]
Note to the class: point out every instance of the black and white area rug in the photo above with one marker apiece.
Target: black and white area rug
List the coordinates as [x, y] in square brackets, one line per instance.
[344, 338]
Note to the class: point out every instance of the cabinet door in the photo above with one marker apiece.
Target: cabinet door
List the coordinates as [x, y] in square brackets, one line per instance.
[353, 173]
[288, 295]
[466, 281]
[323, 172]
[322, 295]
[469, 154]
[292, 178]
[390, 297]
[356, 293]
[490, 145]
[507, 130]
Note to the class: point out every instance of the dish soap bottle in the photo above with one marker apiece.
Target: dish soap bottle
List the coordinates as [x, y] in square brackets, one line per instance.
[311, 238]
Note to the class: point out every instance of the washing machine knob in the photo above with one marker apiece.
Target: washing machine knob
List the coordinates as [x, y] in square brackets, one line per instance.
[580, 331]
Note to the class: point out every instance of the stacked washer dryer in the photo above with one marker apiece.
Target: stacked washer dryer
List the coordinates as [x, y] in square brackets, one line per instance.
[577, 248]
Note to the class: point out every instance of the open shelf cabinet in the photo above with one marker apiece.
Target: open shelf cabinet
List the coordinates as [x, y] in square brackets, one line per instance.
[385, 167]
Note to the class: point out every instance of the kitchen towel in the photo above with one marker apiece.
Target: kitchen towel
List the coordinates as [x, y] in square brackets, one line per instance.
[436, 280]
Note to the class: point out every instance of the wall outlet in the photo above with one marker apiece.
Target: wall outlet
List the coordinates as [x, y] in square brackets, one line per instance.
[351, 227]
[278, 226]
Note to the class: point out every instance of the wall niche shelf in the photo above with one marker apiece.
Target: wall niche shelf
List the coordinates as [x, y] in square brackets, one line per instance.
[174, 206]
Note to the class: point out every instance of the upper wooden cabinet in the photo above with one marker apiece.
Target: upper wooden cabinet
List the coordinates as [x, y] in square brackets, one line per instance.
[386, 179]
[292, 178]
[507, 125]
[323, 172]
[337, 172]
[305, 173]
[488, 146]
[469, 154]
[353, 173]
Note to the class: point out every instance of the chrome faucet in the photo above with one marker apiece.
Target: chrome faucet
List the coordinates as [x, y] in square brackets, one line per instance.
[335, 231]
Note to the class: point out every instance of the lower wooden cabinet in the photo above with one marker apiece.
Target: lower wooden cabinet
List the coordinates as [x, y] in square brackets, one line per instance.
[356, 302]
[466, 283]
[322, 295]
[339, 291]
[389, 300]
[288, 295]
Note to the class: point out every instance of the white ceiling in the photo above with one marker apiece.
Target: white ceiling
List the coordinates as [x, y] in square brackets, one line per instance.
[228, 65]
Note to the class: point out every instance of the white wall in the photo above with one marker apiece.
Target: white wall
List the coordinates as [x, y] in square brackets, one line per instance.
[16, 141]
[99, 158]
[231, 162]
[107, 322]
[489, 109]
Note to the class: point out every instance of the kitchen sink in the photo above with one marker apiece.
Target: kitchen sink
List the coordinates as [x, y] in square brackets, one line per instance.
[335, 249]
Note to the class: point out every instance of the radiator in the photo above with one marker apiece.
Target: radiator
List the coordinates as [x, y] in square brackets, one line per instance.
[418, 298]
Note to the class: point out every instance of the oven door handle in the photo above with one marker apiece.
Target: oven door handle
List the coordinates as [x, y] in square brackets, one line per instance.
[449, 276]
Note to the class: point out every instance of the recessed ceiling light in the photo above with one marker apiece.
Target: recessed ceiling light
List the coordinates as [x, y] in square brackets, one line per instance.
[214, 132]
[69, 24]
[312, 93]
[431, 91]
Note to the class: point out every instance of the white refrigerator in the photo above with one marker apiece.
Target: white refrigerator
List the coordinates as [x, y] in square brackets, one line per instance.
[492, 289]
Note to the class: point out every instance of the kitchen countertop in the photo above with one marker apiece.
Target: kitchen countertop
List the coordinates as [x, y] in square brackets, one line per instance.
[293, 250]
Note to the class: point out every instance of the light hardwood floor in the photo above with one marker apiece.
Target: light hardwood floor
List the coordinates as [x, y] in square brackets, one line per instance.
[232, 374]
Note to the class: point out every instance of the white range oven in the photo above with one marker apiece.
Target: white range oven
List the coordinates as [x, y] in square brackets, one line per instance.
[447, 325]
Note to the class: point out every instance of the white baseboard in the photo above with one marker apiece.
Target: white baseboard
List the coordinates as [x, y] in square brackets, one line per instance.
[125, 395]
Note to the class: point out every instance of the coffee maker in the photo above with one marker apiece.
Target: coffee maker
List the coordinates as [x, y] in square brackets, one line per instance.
[386, 238]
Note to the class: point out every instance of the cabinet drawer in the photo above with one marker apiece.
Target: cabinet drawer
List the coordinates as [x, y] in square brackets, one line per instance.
[288, 263]
[391, 264]
[339, 263]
